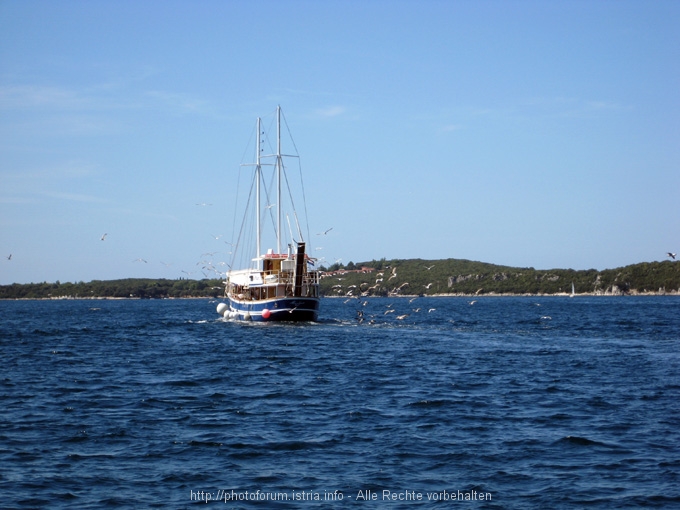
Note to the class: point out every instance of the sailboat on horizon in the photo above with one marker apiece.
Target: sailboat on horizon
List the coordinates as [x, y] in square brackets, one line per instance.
[278, 285]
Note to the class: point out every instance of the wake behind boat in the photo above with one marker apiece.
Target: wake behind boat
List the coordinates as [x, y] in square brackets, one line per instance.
[277, 286]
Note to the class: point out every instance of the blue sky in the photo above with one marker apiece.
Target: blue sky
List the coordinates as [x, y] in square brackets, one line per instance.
[531, 134]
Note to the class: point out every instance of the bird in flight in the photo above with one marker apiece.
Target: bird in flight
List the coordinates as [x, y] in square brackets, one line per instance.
[324, 233]
[139, 260]
[103, 237]
[9, 257]
[671, 255]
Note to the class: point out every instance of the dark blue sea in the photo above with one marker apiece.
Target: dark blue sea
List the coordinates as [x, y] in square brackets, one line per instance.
[509, 402]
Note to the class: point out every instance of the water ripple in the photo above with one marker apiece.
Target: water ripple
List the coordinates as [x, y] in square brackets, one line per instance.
[131, 404]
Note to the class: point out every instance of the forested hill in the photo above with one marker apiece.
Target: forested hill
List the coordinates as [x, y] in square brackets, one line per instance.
[395, 277]
[127, 288]
[457, 276]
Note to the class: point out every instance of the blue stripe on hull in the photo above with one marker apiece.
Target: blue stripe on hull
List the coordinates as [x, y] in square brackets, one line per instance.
[281, 309]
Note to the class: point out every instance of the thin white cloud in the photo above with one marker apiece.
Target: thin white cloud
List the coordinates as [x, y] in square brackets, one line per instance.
[180, 103]
[566, 106]
[32, 96]
[16, 200]
[72, 169]
[106, 96]
[331, 111]
[73, 197]
[603, 105]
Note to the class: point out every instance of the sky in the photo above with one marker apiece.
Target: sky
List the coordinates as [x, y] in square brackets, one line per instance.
[521, 133]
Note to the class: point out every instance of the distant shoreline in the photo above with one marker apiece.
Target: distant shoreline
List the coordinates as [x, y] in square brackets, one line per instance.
[400, 296]
[495, 294]
[396, 278]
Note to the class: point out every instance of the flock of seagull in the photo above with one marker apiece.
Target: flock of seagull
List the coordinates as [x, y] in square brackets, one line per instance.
[207, 267]
[360, 314]
[380, 278]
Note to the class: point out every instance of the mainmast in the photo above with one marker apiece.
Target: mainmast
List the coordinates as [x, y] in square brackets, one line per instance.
[278, 178]
[258, 149]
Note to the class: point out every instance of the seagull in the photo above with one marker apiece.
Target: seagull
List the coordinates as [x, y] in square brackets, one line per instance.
[103, 237]
[671, 255]
[203, 204]
[325, 232]
[140, 260]
[428, 268]
[428, 285]
[9, 257]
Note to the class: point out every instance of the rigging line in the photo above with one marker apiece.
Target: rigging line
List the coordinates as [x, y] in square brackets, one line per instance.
[292, 202]
[267, 138]
[234, 246]
[247, 148]
[292, 140]
[304, 200]
[266, 192]
[245, 218]
[302, 184]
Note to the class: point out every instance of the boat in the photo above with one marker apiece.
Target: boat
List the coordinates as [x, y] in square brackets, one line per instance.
[277, 285]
